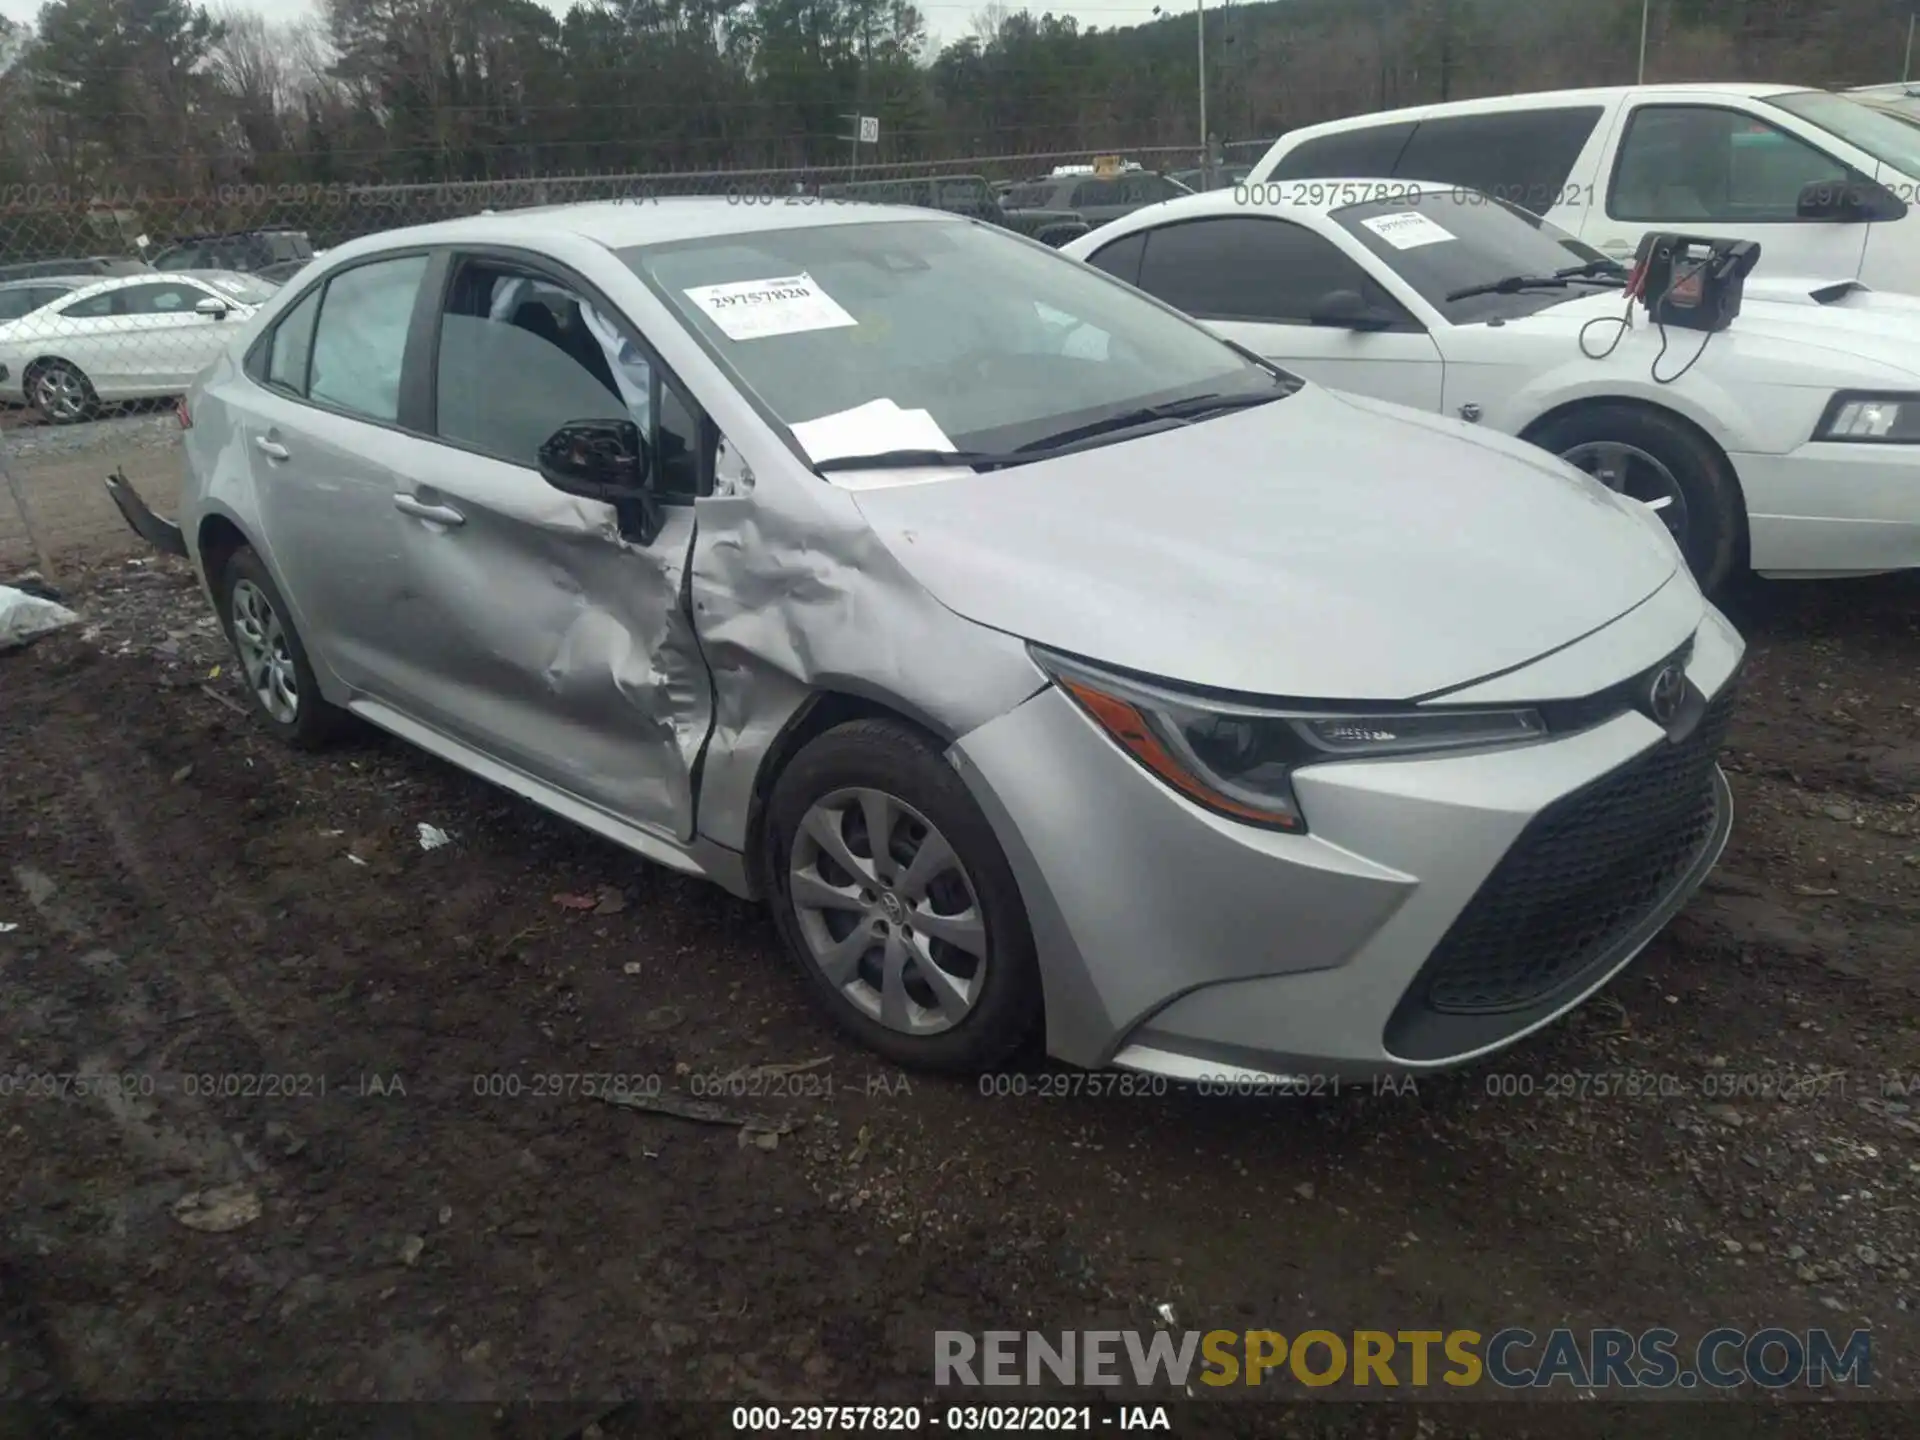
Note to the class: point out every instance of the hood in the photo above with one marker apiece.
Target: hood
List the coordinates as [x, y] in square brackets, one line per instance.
[1321, 547]
[1876, 327]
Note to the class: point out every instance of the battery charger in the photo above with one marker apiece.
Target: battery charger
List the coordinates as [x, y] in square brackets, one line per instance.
[1692, 282]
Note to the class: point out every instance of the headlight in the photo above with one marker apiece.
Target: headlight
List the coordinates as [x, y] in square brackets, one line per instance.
[1239, 760]
[1857, 415]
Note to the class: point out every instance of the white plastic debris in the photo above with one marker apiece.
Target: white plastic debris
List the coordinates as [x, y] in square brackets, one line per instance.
[432, 837]
[25, 617]
[7, 927]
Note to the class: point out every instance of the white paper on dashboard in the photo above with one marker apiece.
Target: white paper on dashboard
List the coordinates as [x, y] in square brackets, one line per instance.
[1408, 230]
[783, 305]
[872, 429]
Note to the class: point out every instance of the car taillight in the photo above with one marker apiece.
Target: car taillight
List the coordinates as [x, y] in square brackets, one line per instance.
[180, 409]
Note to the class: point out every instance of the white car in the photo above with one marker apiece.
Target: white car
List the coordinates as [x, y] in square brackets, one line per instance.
[1826, 183]
[128, 337]
[1790, 441]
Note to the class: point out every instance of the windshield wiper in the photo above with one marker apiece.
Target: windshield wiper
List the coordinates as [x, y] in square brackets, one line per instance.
[1602, 268]
[922, 459]
[1598, 271]
[1188, 408]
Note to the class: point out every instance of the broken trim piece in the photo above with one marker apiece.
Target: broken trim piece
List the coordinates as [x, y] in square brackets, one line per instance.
[164, 535]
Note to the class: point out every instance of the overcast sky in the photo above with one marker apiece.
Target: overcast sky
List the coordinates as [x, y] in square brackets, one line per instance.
[947, 20]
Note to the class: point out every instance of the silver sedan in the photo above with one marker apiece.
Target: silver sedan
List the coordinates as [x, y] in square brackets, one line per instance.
[1048, 665]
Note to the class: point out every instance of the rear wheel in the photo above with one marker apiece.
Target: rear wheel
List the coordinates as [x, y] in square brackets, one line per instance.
[1664, 464]
[892, 895]
[62, 393]
[278, 674]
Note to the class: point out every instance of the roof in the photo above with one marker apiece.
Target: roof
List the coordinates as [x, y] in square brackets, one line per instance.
[75, 281]
[200, 278]
[618, 224]
[1596, 95]
[1313, 197]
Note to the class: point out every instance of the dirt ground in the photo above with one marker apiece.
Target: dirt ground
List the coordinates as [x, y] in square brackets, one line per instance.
[455, 1218]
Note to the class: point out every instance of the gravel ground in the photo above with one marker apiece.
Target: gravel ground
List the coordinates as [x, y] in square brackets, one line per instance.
[138, 427]
[1724, 1137]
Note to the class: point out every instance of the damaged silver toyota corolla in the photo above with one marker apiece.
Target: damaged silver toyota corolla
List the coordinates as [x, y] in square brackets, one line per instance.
[1047, 663]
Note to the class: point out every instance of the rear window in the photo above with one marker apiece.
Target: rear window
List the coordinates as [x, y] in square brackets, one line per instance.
[1365, 150]
[291, 246]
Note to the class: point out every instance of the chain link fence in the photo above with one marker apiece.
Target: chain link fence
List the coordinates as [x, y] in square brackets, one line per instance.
[111, 302]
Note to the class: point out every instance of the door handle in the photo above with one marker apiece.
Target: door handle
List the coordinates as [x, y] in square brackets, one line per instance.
[272, 449]
[420, 510]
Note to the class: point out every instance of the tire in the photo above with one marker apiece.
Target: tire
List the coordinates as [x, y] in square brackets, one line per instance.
[251, 609]
[1715, 528]
[1002, 1007]
[62, 393]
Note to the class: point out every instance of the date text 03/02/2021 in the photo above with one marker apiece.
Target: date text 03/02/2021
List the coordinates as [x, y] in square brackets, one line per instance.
[951, 1419]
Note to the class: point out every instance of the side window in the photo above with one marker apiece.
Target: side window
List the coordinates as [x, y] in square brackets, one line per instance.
[1522, 157]
[24, 301]
[1699, 162]
[292, 346]
[1249, 268]
[361, 336]
[521, 355]
[1362, 151]
[1121, 259]
[1099, 192]
[93, 307]
[161, 299]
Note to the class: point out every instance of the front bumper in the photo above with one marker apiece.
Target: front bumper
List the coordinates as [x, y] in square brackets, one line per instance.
[1176, 941]
[1832, 509]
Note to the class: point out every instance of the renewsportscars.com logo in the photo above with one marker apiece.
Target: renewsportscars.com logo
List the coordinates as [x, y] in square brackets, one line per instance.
[1512, 1358]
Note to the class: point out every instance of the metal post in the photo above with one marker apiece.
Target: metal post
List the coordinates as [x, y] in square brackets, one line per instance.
[1200, 16]
[26, 516]
[1906, 68]
[1645, 6]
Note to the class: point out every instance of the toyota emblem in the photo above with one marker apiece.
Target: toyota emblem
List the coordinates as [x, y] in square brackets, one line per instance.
[1665, 694]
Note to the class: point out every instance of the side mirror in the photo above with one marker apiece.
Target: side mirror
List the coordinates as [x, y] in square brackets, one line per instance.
[213, 307]
[1346, 310]
[1849, 202]
[606, 460]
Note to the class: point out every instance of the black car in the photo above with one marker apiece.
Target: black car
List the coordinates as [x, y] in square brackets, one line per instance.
[1096, 198]
[95, 266]
[270, 254]
[967, 195]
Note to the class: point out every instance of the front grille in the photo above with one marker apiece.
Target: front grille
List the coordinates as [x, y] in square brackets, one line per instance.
[1582, 874]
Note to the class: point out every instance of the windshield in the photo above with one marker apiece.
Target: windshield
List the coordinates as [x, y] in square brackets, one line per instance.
[1883, 136]
[996, 342]
[1443, 241]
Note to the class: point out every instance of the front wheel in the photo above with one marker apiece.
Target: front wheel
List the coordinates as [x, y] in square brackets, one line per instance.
[1667, 466]
[892, 894]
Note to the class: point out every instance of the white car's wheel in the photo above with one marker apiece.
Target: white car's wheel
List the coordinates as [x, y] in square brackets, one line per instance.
[62, 393]
[1660, 461]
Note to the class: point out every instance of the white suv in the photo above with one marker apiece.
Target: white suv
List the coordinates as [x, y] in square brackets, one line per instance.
[1822, 181]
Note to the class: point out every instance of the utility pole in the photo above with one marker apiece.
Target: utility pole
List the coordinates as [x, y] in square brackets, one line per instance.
[1645, 7]
[1200, 16]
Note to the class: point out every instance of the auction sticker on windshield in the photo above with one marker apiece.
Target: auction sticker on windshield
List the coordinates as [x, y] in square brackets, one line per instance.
[756, 309]
[1408, 230]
